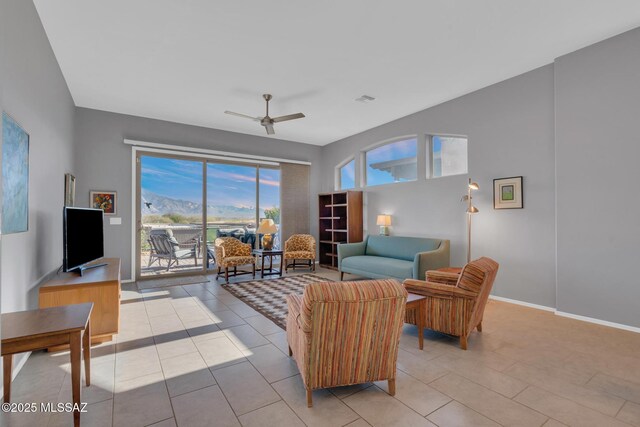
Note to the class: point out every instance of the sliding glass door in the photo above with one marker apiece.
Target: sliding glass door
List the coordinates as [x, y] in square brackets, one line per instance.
[231, 202]
[170, 217]
[269, 199]
[185, 203]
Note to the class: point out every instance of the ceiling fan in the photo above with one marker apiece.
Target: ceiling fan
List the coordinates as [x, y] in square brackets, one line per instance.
[267, 121]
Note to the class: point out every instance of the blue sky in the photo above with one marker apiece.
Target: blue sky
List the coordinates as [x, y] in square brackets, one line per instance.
[348, 175]
[232, 185]
[393, 151]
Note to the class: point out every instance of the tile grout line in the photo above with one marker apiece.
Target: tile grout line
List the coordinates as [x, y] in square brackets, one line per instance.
[211, 370]
[160, 362]
[254, 367]
[620, 410]
[605, 394]
[270, 384]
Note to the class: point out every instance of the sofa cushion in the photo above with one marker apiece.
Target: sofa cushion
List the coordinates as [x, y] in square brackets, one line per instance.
[387, 267]
[404, 248]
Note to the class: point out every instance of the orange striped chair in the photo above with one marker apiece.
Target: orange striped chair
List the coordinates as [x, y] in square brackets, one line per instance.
[344, 333]
[455, 302]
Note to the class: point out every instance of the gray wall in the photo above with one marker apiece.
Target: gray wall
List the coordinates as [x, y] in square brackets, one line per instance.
[510, 127]
[576, 119]
[104, 161]
[597, 149]
[36, 95]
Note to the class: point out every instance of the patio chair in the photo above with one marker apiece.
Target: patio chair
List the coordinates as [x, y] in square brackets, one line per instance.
[165, 247]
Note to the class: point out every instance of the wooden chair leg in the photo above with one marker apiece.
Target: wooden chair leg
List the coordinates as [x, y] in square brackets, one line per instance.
[392, 387]
[309, 399]
[7, 361]
[341, 276]
[463, 343]
[479, 326]
[290, 352]
[226, 275]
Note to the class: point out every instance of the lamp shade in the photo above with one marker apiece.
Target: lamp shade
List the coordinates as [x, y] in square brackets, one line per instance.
[384, 220]
[472, 209]
[473, 185]
[267, 226]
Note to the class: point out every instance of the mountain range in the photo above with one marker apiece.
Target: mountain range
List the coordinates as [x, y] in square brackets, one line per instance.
[153, 203]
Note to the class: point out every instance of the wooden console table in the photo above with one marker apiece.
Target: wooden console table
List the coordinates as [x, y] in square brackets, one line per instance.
[33, 330]
[101, 286]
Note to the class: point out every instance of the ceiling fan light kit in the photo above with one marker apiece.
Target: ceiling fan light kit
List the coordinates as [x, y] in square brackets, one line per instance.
[267, 121]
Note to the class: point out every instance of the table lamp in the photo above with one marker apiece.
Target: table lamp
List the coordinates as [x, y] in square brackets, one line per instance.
[384, 221]
[267, 228]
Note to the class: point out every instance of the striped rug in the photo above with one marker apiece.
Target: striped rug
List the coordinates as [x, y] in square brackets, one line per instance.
[268, 296]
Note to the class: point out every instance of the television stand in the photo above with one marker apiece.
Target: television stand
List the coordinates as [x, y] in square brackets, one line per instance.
[82, 269]
[101, 286]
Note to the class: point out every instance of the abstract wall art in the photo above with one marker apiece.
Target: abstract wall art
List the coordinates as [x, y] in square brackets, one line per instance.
[15, 177]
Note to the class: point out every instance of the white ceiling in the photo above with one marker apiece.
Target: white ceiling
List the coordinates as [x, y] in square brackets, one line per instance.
[188, 61]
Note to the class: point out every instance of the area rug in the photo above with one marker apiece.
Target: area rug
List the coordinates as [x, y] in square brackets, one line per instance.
[175, 281]
[269, 296]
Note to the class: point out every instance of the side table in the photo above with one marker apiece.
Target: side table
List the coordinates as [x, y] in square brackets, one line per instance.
[32, 330]
[263, 253]
[417, 304]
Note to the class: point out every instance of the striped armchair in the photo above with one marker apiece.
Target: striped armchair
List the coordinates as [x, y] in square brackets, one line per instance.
[455, 302]
[346, 333]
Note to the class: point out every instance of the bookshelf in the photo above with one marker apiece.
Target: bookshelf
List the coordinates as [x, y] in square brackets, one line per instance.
[340, 219]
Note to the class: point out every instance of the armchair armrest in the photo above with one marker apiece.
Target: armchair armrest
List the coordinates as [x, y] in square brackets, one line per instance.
[346, 250]
[294, 306]
[219, 253]
[443, 277]
[436, 290]
[431, 260]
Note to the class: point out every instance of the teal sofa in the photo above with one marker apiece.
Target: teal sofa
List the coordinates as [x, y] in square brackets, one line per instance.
[401, 258]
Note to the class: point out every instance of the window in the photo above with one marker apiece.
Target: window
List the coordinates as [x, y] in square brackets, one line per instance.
[394, 162]
[347, 175]
[449, 156]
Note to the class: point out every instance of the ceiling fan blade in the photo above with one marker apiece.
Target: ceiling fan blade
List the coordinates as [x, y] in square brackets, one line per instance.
[270, 130]
[255, 119]
[288, 117]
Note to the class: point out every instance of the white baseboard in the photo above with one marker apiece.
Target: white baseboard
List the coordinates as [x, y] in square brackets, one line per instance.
[598, 321]
[569, 315]
[526, 304]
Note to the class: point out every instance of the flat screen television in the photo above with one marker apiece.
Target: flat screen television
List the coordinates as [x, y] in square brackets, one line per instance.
[83, 238]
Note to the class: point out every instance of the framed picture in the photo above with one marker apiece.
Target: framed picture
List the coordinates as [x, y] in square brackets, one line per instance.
[105, 200]
[69, 189]
[15, 177]
[507, 193]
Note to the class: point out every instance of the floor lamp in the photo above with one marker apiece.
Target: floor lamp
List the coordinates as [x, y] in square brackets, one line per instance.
[470, 211]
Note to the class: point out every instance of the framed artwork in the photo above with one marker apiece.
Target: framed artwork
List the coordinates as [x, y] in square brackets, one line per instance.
[69, 189]
[507, 193]
[15, 177]
[105, 200]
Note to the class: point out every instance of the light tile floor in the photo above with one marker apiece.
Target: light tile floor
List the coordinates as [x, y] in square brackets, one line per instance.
[195, 355]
